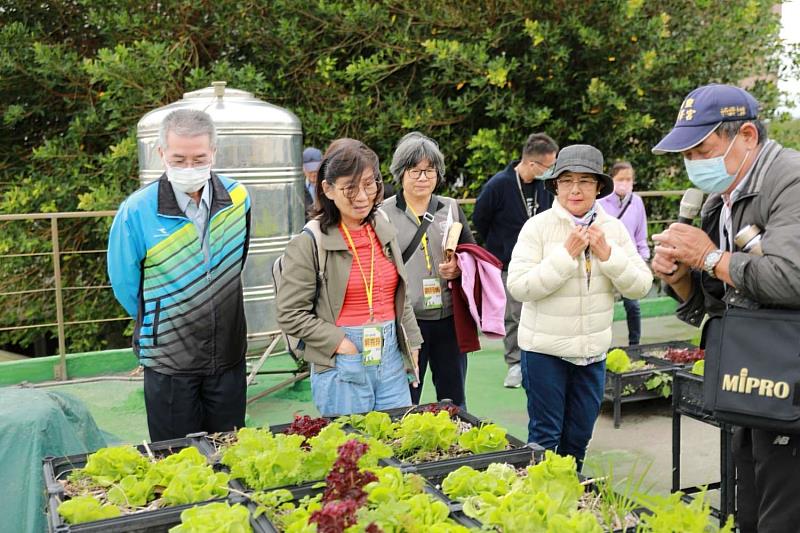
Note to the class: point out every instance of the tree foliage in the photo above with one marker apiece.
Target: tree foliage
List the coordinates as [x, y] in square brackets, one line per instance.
[477, 75]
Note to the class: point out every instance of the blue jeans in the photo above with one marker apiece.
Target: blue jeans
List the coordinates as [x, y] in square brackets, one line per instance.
[352, 387]
[634, 316]
[563, 402]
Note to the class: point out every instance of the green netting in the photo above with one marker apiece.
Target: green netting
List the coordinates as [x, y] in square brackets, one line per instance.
[35, 423]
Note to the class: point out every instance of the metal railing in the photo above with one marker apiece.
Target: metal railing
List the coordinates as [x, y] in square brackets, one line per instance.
[56, 253]
[58, 288]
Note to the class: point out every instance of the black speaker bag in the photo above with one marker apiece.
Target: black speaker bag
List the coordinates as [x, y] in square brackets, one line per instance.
[753, 369]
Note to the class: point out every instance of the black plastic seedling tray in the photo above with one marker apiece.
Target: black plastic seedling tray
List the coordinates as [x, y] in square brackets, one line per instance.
[616, 384]
[517, 454]
[57, 468]
[687, 394]
[299, 493]
[207, 447]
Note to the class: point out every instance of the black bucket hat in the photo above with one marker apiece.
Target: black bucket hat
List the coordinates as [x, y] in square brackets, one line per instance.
[581, 158]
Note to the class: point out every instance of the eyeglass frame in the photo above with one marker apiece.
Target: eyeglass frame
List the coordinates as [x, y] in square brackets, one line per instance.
[423, 172]
[350, 190]
[582, 183]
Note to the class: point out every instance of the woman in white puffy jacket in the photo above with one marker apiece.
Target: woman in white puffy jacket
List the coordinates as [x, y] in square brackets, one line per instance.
[565, 267]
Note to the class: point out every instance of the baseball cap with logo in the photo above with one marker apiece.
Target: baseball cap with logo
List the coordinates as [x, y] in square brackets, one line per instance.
[702, 111]
[312, 158]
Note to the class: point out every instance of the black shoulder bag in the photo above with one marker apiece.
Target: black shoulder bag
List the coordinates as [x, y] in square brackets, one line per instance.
[427, 218]
[752, 374]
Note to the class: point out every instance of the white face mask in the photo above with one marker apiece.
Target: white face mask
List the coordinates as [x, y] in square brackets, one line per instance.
[188, 180]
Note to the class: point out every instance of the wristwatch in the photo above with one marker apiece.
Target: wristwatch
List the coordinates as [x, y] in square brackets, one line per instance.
[711, 261]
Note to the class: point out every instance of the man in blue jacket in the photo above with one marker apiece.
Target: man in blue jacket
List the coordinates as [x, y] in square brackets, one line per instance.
[506, 202]
[176, 252]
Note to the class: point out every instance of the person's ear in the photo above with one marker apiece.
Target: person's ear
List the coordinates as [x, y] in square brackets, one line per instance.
[749, 134]
[329, 191]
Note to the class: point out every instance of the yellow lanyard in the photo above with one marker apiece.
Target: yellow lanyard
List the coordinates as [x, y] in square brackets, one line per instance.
[424, 241]
[368, 288]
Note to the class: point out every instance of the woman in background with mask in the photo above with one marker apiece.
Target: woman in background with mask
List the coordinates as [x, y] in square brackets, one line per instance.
[629, 208]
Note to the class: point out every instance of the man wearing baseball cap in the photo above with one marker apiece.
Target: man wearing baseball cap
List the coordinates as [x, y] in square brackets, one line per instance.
[752, 181]
[312, 158]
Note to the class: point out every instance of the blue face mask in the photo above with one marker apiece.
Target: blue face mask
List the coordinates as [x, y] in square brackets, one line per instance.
[711, 175]
[547, 174]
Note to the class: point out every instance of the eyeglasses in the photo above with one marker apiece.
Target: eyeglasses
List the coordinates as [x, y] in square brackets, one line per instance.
[370, 188]
[583, 183]
[428, 173]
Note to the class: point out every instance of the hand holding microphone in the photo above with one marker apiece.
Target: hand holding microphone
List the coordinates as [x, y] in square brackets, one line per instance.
[682, 245]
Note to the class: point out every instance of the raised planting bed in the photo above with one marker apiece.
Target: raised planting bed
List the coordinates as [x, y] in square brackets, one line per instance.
[631, 377]
[682, 353]
[435, 439]
[552, 496]
[287, 456]
[380, 499]
[127, 489]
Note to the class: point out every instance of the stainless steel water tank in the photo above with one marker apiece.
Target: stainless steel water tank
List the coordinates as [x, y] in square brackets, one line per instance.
[260, 145]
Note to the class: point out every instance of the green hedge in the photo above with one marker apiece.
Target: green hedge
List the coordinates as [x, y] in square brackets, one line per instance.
[75, 77]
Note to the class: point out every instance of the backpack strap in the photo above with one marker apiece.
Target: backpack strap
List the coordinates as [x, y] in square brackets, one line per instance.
[313, 230]
[427, 218]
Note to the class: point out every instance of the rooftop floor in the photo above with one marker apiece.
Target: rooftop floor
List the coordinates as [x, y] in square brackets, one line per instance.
[643, 439]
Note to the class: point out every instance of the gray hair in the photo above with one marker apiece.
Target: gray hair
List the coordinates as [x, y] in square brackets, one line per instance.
[413, 148]
[187, 123]
[731, 128]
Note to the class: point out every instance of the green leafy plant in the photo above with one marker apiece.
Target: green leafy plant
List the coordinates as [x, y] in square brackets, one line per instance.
[670, 513]
[109, 465]
[128, 480]
[217, 517]
[617, 498]
[617, 361]
[425, 432]
[395, 502]
[264, 460]
[484, 439]
[195, 484]
[699, 367]
[86, 509]
[661, 382]
[375, 424]
[465, 481]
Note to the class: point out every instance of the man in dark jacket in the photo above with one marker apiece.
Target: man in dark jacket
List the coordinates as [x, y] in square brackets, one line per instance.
[506, 202]
[753, 182]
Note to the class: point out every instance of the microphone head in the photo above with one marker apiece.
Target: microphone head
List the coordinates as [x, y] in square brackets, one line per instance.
[691, 203]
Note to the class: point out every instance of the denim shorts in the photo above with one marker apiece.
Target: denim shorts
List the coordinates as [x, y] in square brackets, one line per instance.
[352, 387]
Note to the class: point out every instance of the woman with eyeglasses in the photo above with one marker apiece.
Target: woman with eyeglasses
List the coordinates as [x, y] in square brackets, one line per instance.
[360, 335]
[421, 218]
[564, 268]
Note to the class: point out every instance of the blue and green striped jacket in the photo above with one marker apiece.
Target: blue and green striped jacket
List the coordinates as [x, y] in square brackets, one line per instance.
[189, 314]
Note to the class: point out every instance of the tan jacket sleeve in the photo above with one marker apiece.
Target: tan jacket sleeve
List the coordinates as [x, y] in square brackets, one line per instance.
[295, 299]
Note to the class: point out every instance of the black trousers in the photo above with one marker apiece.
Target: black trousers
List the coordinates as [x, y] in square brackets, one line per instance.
[767, 481]
[448, 364]
[179, 405]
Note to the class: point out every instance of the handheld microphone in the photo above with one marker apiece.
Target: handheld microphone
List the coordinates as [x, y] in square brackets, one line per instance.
[691, 203]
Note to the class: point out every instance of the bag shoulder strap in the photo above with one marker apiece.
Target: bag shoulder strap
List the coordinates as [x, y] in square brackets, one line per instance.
[625, 208]
[314, 230]
[427, 218]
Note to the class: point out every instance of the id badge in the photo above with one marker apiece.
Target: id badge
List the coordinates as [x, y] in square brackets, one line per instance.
[432, 293]
[373, 345]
